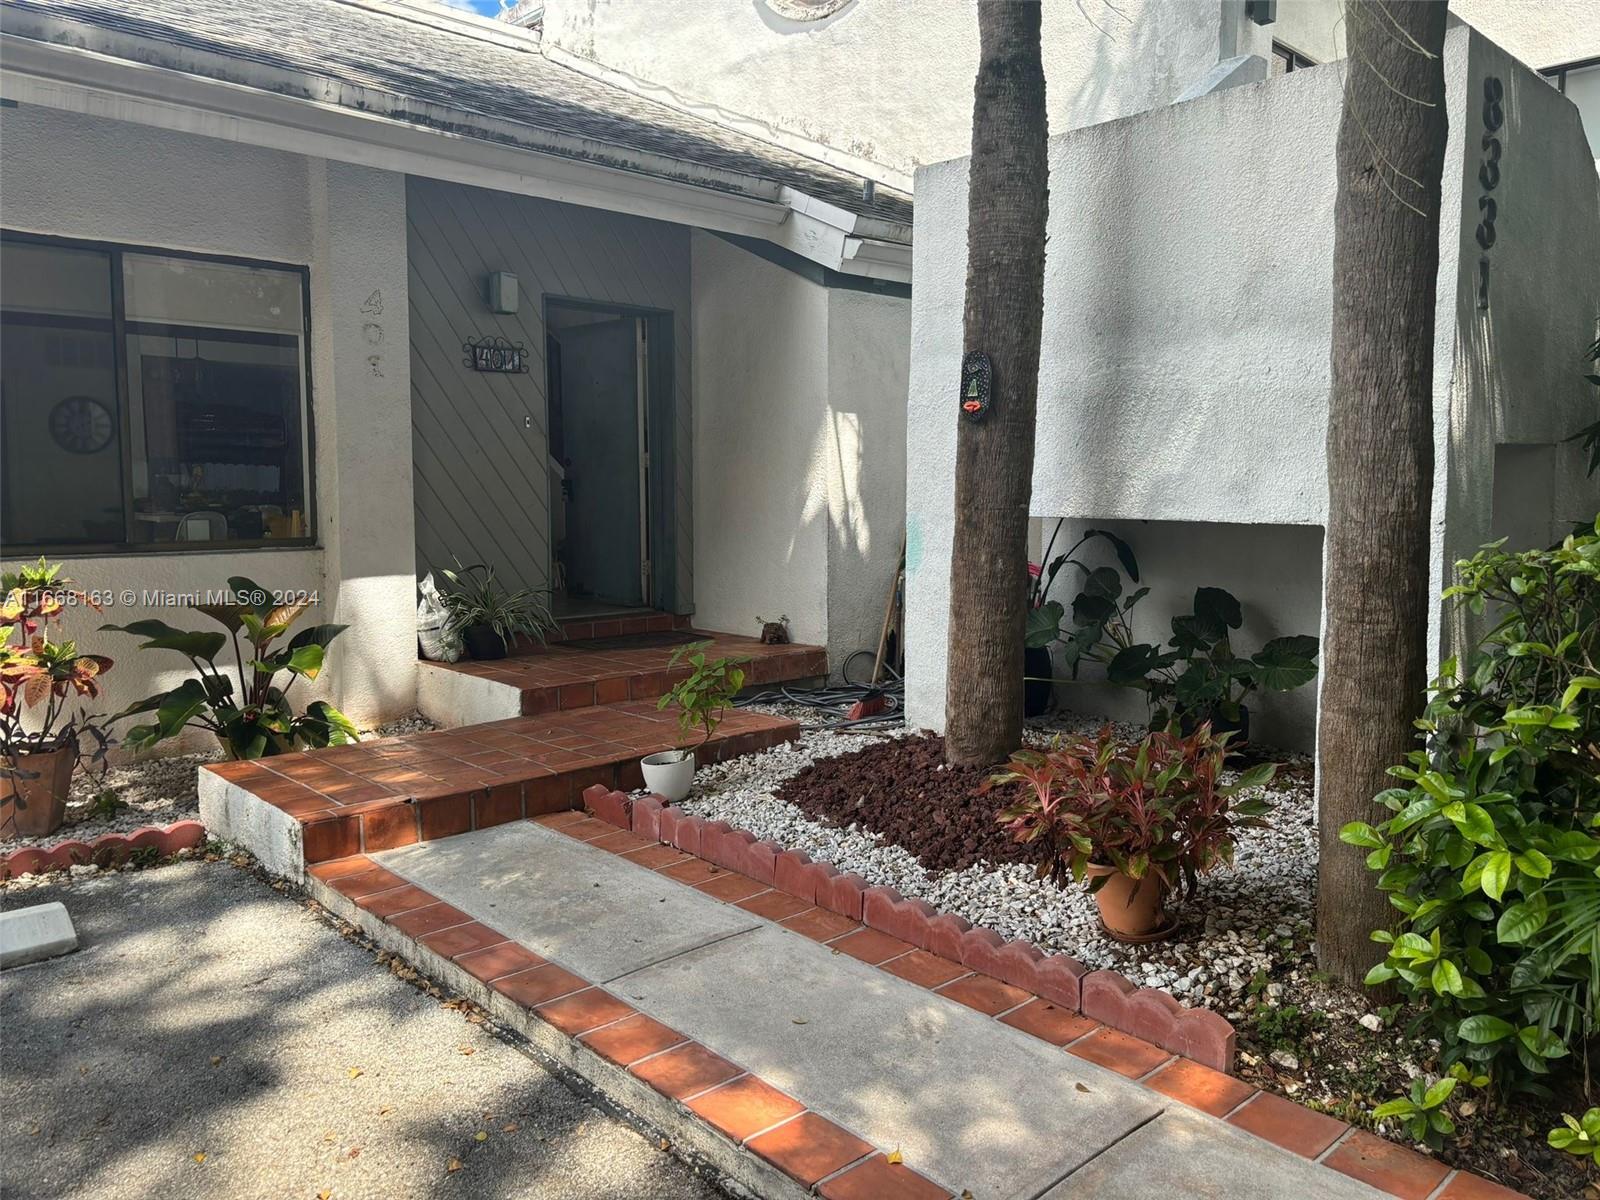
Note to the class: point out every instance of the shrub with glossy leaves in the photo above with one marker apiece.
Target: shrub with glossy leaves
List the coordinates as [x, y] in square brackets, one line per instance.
[1492, 852]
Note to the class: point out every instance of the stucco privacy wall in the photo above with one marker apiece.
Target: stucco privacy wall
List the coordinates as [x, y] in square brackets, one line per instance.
[1515, 367]
[87, 177]
[481, 440]
[842, 83]
[1184, 372]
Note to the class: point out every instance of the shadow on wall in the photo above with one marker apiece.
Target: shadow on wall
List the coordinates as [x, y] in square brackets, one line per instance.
[1274, 570]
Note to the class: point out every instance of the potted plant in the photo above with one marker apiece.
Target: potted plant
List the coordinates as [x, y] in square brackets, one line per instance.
[245, 707]
[1130, 821]
[1099, 612]
[41, 742]
[1199, 679]
[702, 699]
[488, 618]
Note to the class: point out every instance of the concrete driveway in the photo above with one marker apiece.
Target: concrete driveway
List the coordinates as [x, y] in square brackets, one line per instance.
[215, 1038]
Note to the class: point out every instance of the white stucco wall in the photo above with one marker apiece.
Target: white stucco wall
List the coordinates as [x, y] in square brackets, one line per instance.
[869, 357]
[761, 495]
[1516, 371]
[1188, 310]
[799, 427]
[843, 82]
[87, 177]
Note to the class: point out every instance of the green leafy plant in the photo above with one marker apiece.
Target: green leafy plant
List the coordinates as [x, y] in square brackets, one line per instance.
[1588, 438]
[1156, 806]
[1198, 677]
[1098, 613]
[1422, 1110]
[40, 678]
[475, 597]
[1492, 852]
[245, 707]
[1578, 1135]
[106, 803]
[706, 694]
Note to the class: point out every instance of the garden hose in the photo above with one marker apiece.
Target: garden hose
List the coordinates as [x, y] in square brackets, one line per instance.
[833, 704]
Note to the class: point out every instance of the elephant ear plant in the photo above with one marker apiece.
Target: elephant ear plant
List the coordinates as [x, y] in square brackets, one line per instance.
[1199, 678]
[1098, 613]
[244, 706]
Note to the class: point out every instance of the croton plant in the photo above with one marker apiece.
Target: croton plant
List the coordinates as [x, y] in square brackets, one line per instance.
[1155, 806]
[40, 678]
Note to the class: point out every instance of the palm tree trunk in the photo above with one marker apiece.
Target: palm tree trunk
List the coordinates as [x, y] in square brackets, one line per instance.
[1006, 206]
[1379, 444]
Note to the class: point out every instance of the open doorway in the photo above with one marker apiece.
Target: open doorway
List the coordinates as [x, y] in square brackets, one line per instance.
[602, 362]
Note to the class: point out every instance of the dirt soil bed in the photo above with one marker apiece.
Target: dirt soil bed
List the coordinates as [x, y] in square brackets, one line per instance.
[903, 789]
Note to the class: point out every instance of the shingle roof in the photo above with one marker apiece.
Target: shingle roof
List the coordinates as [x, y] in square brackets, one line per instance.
[390, 52]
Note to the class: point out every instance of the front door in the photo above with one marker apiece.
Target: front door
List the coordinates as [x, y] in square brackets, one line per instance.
[601, 399]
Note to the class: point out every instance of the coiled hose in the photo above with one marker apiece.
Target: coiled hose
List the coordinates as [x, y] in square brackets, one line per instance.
[832, 705]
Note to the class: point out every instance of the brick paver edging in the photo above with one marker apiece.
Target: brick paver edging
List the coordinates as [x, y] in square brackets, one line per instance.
[1098, 1015]
[709, 1105]
[111, 849]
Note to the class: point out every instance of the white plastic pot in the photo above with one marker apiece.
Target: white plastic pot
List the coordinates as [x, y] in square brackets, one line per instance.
[669, 774]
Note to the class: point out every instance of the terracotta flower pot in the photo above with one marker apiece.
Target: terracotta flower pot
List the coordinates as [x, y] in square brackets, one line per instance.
[1132, 910]
[36, 806]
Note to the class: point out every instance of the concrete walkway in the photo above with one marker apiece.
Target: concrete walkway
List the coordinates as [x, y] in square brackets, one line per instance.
[971, 1103]
[210, 1015]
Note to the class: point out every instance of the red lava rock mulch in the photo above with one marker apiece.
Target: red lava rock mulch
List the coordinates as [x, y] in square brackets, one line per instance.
[902, 789]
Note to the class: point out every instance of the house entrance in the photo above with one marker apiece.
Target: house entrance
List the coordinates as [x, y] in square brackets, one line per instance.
[599, 363]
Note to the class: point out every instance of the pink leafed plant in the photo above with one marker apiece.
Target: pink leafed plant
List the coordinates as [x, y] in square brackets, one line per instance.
[1156, 806]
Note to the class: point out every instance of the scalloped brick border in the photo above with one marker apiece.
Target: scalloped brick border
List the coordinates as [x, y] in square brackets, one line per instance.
[111, 849]
[1104, 996]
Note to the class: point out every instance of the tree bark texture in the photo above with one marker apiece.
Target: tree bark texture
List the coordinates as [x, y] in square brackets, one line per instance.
[1006, 207]
[1379, 446]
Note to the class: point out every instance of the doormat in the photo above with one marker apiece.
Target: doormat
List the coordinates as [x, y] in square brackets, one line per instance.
[635, 641]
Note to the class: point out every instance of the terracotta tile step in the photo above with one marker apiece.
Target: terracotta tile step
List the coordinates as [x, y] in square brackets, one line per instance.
[382, 795]
[558, 677]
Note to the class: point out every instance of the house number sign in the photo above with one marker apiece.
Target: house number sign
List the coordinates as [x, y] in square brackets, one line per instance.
[1494, 116]
[495, 355]
[977, 385]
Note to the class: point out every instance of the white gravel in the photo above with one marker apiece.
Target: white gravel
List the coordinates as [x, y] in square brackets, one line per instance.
[155, 791]
[1253, 918]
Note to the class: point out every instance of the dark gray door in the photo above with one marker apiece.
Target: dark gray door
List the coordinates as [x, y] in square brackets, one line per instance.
[600, 423]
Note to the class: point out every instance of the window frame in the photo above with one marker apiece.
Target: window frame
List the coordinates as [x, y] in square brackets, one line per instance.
[1293, 60]
[119, 336]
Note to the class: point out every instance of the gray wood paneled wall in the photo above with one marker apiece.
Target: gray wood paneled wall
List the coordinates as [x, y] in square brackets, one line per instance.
[480, 440]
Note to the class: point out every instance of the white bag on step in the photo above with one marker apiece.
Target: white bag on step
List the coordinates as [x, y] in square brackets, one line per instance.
[438, 641]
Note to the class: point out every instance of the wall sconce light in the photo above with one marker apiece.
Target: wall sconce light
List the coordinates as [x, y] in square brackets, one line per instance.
[502, 292]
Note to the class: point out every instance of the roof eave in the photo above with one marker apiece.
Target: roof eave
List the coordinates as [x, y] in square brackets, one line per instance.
[306, 114]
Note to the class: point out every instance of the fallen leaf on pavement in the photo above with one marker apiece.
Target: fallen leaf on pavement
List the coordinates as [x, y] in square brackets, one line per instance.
[199, 1156]
[1080, 1087]
[894, 1157]
[356, 1072]
[325, 1194]
[453, 1165]
[385, 1110]
[511, 1128]
[481, 1136]
[464, 1049]
[355, 1152]
[216, 1060]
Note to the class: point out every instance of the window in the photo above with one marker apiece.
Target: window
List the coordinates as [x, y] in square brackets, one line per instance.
[150, 398]
[1286, 59]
